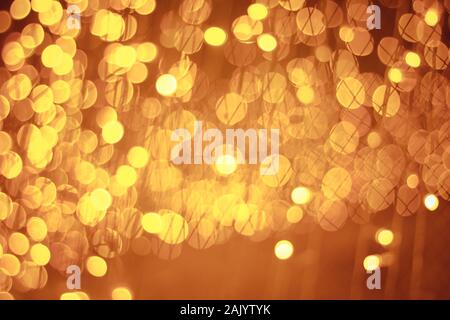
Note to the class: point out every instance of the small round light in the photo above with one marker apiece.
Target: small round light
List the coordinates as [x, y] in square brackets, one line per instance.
[412, 181]
[257, 11]
[384, 237]
[267, 42]
[372, 262]
[431, 202]
[96, 266]
[301, 195]
[166, 85]
[412, 59]
[431, 17]
[284, 249]
[121, 294]
[226, 164]
[215, 36]
[395, 75]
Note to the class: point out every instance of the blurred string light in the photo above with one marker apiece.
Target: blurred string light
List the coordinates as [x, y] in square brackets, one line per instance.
[372, 262]
[284, 249]
[384, 237]
[86, 118]
[121, 293]
[431, 202]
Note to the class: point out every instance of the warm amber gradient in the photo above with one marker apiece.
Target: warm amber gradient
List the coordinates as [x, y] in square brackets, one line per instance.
[86, 177]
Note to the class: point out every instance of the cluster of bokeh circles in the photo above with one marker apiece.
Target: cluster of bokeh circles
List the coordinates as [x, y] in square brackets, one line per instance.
[87, 114]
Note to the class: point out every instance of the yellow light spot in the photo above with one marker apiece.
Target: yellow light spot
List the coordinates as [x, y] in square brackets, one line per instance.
[41, 5]
[9, 265]
[294, 214]
[146, 52]
[5, 21]
[152, 222]
[37, 228]
[166, 85]
[18, 243]
[65, 66]
[374, 140]
[76, 295]
[384, 237]
[305, 94]
[96, 266]
[121, 294]
[52, 56]
[412, 59]
[257, 11]
[346, 34]
[431, 202]
[101, 199]
[371, 262]
[284, 249]
[125, 56]
[301, 195]
[226, 164]
[61, 91]
[19, 87]
[126, 176]
[215, 36]
[20, 9]
[267, 42]
[412, 181]
[137, 157]
[395, 75]
[431, 17]
[175, 229]
[40, 254]
[112, 132]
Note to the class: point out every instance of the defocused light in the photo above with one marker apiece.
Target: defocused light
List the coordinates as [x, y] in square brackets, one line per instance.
[18, 243]
[431, 202]
[126, 176]
[166, 85]
[215, 36]
[51, 56]
[395, 75]
[305, 94]
[412, 59]
[373, 139]
[138, 157]
[431, 17]
[226, 164]
[346, 34]
[294, 214]
[101, 199]
[40, 254]
[121, 294]
[96, 266]
[152, 223]
[257, 11]
[36, 228]
[267, 42]
[301, 195]
[284, 249]
[76, 295]
[112, 132]
[412, 181]
[372, 262]
[384, 237]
